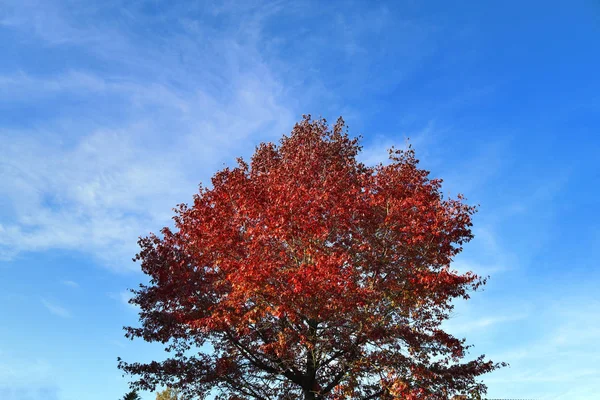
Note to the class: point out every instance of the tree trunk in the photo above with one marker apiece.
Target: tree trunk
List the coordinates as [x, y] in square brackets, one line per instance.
[311, 373]
[309, 395]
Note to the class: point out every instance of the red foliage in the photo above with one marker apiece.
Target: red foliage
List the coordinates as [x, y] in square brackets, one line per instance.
[305, 274]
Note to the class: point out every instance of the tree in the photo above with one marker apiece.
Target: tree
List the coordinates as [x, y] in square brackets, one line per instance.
[167, 394]
[306, 274]
[131, 396]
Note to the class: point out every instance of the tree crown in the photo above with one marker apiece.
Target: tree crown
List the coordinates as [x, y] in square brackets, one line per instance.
[306, 273]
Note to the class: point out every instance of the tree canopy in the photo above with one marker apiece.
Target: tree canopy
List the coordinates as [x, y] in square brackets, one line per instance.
[305, 274]
[131, 396]
[168, 394]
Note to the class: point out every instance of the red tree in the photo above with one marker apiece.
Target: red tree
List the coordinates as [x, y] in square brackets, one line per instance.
[306, 274]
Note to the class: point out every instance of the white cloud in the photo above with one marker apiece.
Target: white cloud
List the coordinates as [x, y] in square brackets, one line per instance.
[56, 309]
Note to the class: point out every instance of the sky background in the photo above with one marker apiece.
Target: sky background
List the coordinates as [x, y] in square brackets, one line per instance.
[112, 112]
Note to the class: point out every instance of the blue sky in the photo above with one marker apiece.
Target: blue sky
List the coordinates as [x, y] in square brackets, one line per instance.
[112, 113]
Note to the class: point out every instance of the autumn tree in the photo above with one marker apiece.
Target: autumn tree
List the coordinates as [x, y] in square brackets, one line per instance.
[306, 274]
[168, 394]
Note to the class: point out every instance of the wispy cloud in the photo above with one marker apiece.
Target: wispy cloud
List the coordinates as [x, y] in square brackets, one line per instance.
[70, 283]
[26, 379]
[467, 326]
[560, 358]
[118, 343]
[31, 392]
[123, 297]
[19, 371]
[128, 141]
[101, 174]
[377, 151]
[56, 309]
